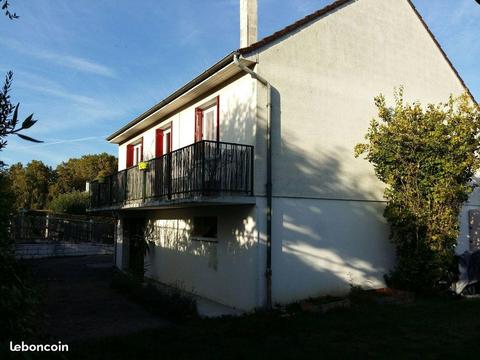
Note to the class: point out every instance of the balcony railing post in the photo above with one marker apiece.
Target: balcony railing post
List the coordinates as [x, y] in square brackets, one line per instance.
[169, 174]
[144, 183]
[110, 189]
[252, 154]
[125, 194]
[203, 167]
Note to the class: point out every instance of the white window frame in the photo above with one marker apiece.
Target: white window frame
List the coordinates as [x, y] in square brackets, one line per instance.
[137, 153]
[211, 108]
[167, 131]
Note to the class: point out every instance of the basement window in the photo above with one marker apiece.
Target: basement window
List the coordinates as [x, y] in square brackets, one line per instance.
[204, 228]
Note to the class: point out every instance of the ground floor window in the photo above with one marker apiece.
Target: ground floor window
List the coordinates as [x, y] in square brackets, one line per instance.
[205, 228]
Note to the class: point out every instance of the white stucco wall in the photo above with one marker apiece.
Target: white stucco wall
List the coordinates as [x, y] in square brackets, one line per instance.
[329, 231]
[226, 271]
[323, 247]
[237, 120]
[325, 77]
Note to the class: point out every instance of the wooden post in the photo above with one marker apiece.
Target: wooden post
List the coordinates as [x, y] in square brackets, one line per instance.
[47, 218]
[90, 230]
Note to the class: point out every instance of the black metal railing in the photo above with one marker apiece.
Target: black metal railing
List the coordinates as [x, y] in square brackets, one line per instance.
[205, 168]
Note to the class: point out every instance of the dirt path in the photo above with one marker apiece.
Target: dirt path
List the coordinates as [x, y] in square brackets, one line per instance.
[80, 304]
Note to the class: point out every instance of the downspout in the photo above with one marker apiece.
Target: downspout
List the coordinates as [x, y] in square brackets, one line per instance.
[268, 272]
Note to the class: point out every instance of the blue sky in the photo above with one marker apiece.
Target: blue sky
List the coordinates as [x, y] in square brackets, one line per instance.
[86, 67]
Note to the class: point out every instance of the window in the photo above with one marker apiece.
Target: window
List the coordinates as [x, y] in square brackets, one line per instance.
[209, 130]
[134, 153]
[163, 141]
[205, 228]
[167, 140]
[207, 120]
[137, 154]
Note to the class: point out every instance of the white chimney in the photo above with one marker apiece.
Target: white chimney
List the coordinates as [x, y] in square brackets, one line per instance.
[248, 22]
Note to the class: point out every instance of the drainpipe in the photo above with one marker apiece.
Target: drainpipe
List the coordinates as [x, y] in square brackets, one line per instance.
[268, 273]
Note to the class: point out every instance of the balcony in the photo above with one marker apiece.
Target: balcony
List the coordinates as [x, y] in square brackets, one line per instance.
[198, 172]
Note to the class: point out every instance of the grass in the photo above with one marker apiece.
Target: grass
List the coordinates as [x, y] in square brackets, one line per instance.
[427, 329]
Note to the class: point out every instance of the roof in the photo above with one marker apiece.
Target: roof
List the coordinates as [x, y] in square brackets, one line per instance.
[267, 41]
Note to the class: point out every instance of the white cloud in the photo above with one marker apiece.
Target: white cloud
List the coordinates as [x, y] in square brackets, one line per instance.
[62, 141]
[69, 61]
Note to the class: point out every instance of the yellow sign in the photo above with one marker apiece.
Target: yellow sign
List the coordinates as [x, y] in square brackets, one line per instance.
[143, 165]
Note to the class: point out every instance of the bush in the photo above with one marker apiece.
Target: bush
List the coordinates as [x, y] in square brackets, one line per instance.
[427, 157]
[168, 302]
[19, 299]
[75, 202]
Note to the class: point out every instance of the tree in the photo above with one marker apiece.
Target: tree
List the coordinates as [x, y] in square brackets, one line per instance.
[18, 184]
[75, 202]
[74, 173]
[31, 184]
[427, 157]
[39, 178]
[37, 184]
[9, 123]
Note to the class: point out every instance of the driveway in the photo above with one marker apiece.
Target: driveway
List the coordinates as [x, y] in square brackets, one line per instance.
[80, 304]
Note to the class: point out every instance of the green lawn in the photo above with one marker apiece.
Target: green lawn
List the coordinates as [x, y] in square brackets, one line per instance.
[429, 329]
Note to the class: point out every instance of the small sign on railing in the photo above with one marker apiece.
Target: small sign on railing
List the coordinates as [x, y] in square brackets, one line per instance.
[143, 165]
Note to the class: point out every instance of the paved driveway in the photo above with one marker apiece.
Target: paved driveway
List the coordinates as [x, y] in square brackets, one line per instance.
[80, 304]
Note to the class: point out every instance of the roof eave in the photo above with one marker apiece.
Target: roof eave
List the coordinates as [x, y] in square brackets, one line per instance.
[185, 88]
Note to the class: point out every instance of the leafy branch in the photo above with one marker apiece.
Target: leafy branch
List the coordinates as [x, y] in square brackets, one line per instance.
[9, 122]
[8, 13]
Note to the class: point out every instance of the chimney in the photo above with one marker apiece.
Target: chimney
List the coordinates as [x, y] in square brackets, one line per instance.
[248, 22]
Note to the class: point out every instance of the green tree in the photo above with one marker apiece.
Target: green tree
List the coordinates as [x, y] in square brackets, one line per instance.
[31, 184]
[39, 178]
[75, 202]
[74, 173]
[18, 184]
[427, 157]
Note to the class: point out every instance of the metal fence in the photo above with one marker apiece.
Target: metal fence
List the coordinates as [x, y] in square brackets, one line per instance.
[205, 168]
[26, 228]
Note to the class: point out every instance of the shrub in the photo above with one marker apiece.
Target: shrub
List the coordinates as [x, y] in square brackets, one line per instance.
[19, 299]
[75, 202]
[427, 158]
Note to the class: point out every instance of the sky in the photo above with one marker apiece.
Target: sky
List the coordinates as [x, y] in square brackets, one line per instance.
[87, 67]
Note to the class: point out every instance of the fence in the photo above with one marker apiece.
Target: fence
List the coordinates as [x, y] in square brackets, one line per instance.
[27, 228]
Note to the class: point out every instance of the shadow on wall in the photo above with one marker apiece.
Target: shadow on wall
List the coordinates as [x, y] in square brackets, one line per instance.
[324, 238]
[319, 245]
[174, 234]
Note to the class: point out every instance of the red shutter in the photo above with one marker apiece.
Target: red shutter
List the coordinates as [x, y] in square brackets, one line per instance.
[158, 143]
[198, 124]
[129, 155]
[141, 149]
[218, 118]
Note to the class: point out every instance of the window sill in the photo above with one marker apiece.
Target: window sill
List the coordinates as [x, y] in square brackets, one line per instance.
[204, 239]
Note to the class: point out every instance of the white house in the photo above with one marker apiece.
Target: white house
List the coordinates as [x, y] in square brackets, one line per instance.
[251, 194]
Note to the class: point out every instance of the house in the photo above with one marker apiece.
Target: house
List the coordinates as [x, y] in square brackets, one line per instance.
[244, 180]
